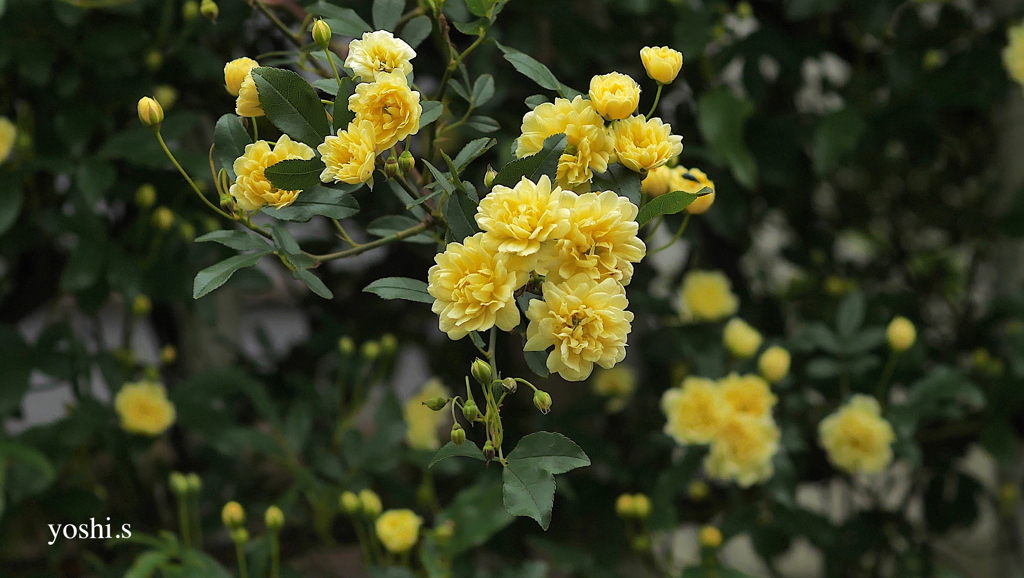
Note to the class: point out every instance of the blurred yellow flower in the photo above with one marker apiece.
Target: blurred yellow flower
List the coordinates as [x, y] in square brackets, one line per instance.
[617, 383]
[857, 438]
[743, 450]
[625, 506]
[1013, 54]
[248, 102]
[774, 364]
[642, 145]
[615, 95]
[589, 149]
[661, 63]
[233, 515]
[658, 182]
[694, 411]
[586, 321]
[473, 288]
[252, 189]
[692, 181]
[8, 133]
[710, 537]
[398, 530]
[236, 71]
[390, 105]
[748, 394]
[519, 219]
[144, 408]
[370, 502]
[901, 334]
[741, 339]
[349, 156]
[602, 241]
[422, 421]
[642, 506]
[379, 53]
[707, 296]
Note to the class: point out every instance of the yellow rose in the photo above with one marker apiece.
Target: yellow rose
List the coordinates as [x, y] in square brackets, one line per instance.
[748, 394]
[370, 502]
[8, 133]
[642, 506]
[252, 189]
[1013, 54]
[390, 105]
[741, 339]
[692, 181]
[774, 364]
[398, 530]
[473, 288]
[144, 408]
[519, 219]
[150, 112]
[586, 322]
[857, 438]
[379, 53]
[661, 63]
[658, 182]
[743, 450]
[589, 148]
[233, 515]
[248, 102]
[694, 411]
[602, 241]
[901, 334]
[642, 145]
[710, 537]
[422, 421]
[707, 296]
[349, 156]
[614, 95]
[236, 71]
[625, 506]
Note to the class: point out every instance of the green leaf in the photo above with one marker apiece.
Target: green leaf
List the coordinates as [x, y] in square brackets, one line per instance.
[483, 90]
[216, 275]
[84, 266]
[472, 151]
[31, 457]
[342, 21]
[552, 452]
[386, 13]
[528, 492]
[146, 564]
[230, 139]
[468, 449]
[442, 179]
[295, 174]
[850, 315]
[480, 7]
[620, 179]
[284, 240]
[291, 105]
[336, 203]
[535, 71]
[537, 361]
[416, 31]
[532, 167]
[478, 512]
[483, 123]
[667, 204]
[328, 85]
[460, 214]
[722, 117]
[11, 200]
[836, 136]
[342, 115]
[800, 9]
[431, 111]
[238, 240]
[400, 288]
[391, 224]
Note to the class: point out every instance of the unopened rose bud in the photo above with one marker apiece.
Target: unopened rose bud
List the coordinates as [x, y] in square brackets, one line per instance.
[168, 355]
[163, 218]
[470, 411]
[510, 384]
[178, 483]
[346, 346]
[625, 506]
[458, 435]
[372, 506]
[195, 483]
[145, 196]
[150, 112]
[698, 490]
[232, 515]
[488, 450]
[189, 10]
[350, 503]
[154, 60]
[642, 506]
[901, 334]
[389, 344]
[710, 537]
[436, 403]
[274, 518]
[371, 350]
[481, 371]
[406, 162]
[141, 306]
[322, 34]
[391, 168]
[187, 231]
[209, 10]
[542, 400]
[489, 176]
[240, 536]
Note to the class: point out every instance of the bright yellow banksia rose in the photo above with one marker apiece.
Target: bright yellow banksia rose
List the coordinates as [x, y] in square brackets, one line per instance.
[349, 156]
[236, 71]
[692, 181]
[392, 107]
[252, 189]
[741, 339]
[422, 421]
[8, 133]
[398, 530]
[642, 145]
[661, 63]
[748, 394]
[144, 408]
[602, 241]
[707, 296]
[1013, 54]
[658, 182]
[248, 102]
[857, 438]
[379, 53]
[901, 334]
[589, 149]
[518, 219]
[614, 95]
[694, 411]
[585, 320]
[743, 449]
[774, 363]
[150, 112]
[473, 288]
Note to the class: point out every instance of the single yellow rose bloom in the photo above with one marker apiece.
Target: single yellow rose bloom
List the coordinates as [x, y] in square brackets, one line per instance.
[774, 363]
[901, 334]
[707, 296]
[615, 95]
[741, 339]
[252, 189]
[235, 72]
[743, 449]
[248, 102]
[1013, 54]
[857, 438]
[398, 530]
[642, 145]
[8, 134]
[379, 53]
[144, 408]
[694, 411]
[390, 105]
[658, 182]
[518, 220]
[423, 422]
[349, 156]
[661, 63]
[748, 394]
[589, 148]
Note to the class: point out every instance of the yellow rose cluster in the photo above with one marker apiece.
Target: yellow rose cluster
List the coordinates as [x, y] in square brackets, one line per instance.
[584, 244]
[734, 416]
[601, 130]
[144, 408]
[386, 111]
[857, 438]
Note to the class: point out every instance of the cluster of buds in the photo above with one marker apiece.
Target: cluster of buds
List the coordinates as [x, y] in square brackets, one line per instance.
[367, 504]
[184, 484]
[233, 516]
[633, 506]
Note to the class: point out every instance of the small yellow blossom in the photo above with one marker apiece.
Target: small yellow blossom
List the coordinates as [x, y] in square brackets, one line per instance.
[589, 148]
[602, 241]
[743, 450]
[586, 321]
[370, 502]
[248, 102]
[615, 95]
[398, 530]
[233, 515]
[519, 219]
[349, 156]
[390, 105]
[707, 296]
[1013, 54]
[150, 112]
[695, 411]
[658, 182]
[349, 503]
[422, 421]
[642, 506]
[642, 145]
[857, 438]
[748, 394]
[473, 288]
[901, 334]
[144, 408]
[625, 506]
[252, 189]
[774, 363]
[710, 537]
[692, 181]
[273, 518]
[379, 53]
[741, 339]
[236, 71]
[8, 133]
[661, 63]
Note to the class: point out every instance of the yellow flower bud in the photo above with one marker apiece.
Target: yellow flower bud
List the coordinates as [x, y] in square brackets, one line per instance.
[371, 350]
[542, 400]
[391, 169]
[195, 483]
[774, 364]
[406, 162]
[901, 334]
[145, 196]
[661, 63]
[614, 96]
[274, 518]
[209, 10]
[240, 535]
[710, 537]
[625, 506]
[189, 10]
[141, 306]
[150, 112]
[232, 515]
[642, 506]
[346, 346]
[481, 371]
[154, 60]
[166, 95]
[698, 490]
[510, 384]
[372, 506]
[470, 411]
[436, 403]
[322, 34]
[168, 355]
[350, 503]
[488, 450]
[741, 339]
[236, 71]
[489, 176]
[398, 530]
[178, 483]
[163, 218]
[458, 435]
[389, 344]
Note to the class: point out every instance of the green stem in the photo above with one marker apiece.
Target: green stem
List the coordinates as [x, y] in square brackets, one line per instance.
[679, 233]
[657, 98]
[297, 39]
[170, 155]
[197, 521]
[243, 572]
[275, 555]
[403, 234]
[183, 521]
[255, 130]
[883, 382]
[334, 67]
[343, 233]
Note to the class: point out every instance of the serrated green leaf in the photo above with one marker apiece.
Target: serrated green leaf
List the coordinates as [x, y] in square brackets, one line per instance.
[386, 13]
[230, 139]
[342, 115]
[537, 361]
[532, 167]
[535, 71]
[238, 240]
[472, 151]
[314, 283]
[440, 177]
[460, 214]
[620, 179]
[295, 174]
[336, 203]
[667, 204]
[292, 105]
[431, 111]
[483, 124]
[549, 451]
[483, 90]
[400, 288]
[468, 449]
[416, 31]
[328, 85]
[528, 492]
[342, 21]
[216, 275]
